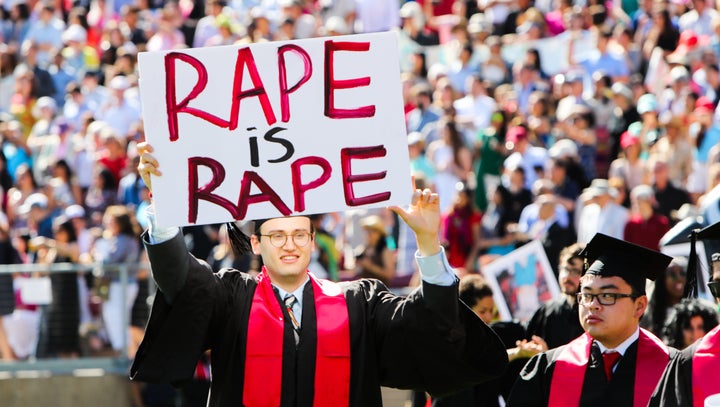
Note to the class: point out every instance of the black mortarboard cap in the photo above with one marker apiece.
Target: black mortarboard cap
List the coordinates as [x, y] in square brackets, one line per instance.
[707, 233]
[610, 257]
[257, 224]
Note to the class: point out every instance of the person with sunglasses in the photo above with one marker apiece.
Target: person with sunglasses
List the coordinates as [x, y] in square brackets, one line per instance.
[615, 362]
[287, 338]
[691, 377]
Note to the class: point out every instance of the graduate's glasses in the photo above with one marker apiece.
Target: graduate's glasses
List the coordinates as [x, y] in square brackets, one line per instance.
[300, 238]
[714, 287]
[603, 298]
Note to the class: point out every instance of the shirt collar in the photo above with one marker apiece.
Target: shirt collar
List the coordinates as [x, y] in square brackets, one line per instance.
[623, 347]
[298, 293]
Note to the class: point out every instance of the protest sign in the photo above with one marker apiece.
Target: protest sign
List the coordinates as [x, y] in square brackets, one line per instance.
[521, 281]
[278, 128]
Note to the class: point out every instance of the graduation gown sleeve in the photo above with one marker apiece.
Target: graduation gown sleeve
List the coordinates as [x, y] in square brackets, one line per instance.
[178, 333]
[532, 387]
[675, 387]
[428, 340]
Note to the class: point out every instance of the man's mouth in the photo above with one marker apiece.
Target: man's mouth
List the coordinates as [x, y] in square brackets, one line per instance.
[288, 258]
[593, 319]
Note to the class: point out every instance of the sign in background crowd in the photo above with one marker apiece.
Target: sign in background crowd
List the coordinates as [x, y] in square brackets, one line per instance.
[543, 121]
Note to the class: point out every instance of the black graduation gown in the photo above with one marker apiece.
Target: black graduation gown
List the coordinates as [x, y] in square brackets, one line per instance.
[675, 387]
[556, 321]
[487, 394]
[532, 387]
[427, 340]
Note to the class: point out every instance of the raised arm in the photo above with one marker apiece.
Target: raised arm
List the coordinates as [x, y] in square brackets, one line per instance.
[445, 346]
[169, 272]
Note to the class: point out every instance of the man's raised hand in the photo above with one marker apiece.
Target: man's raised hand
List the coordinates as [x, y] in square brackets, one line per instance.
[423, 217]
[148, 163]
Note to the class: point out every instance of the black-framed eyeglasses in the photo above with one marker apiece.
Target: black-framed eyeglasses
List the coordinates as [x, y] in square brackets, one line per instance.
[301, 238]
[603, 298]
[714, 287]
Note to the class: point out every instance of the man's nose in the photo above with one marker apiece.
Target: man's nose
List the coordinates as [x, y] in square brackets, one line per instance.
[289, 243]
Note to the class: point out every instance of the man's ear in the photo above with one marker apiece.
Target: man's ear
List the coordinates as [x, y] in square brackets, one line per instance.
[641, 304]
[255, 242]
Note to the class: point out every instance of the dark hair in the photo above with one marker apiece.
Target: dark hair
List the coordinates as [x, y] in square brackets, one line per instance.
[467, 47]
[64, 224]
[6, 181]
[81, 14]
[520, 170]
[536, 53]
[589, 118]
[563, 163]
[122, 215]
[108, 179]
[683, 313]
[23, 10]
[571, 252]
[665, 15]
[61, 163]
[423, 66]
[598, 13]
[26, 168]
[473, 288]
[9, 62]
[656, 313]
[456, 139]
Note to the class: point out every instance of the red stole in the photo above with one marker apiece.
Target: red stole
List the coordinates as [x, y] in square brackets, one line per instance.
[569, 374]
[705, 366]
[264, 349]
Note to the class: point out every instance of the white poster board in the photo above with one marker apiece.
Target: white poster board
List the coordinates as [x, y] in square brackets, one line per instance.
[521, 282]
[277, 128]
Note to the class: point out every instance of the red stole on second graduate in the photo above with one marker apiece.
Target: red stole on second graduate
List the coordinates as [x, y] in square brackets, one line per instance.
[569, 374]
[264, 349]
[705, 367]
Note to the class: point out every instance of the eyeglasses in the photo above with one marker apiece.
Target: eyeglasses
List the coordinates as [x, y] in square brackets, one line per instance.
[603, 298]
[300, 238]
[714, 287]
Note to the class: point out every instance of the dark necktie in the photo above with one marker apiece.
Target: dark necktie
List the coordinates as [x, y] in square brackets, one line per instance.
[610, 358]
[290, 301]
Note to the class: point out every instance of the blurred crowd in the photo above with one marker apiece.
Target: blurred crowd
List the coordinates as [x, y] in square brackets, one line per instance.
[534, 120]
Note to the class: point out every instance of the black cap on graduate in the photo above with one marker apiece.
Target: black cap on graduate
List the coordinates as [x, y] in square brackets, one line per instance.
[607, 256]
[258, 224]
[706, 233]
[239, 241]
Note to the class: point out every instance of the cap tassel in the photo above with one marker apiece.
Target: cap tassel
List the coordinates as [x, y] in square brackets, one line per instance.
[239, 241]
[691, 290]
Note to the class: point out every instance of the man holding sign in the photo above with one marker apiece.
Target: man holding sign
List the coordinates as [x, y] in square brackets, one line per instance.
[287, 338]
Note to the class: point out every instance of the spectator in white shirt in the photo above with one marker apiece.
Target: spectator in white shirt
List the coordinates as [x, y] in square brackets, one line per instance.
[601, 214]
